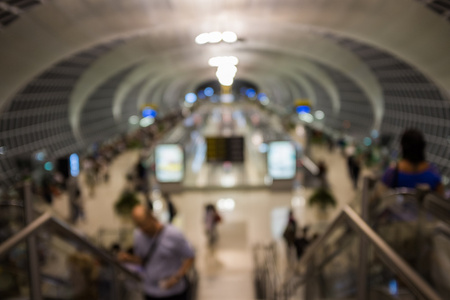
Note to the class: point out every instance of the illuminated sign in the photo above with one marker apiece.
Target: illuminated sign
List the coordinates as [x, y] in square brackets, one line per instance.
[281, 160]
[74, 165]
[169, 163]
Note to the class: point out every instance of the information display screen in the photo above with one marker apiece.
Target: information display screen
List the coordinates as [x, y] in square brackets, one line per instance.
[281, 160]
[169, 163]
[220, 149]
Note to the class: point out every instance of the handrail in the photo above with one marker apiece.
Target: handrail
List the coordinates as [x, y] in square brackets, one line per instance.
[47, 218]
[438, 206]
[445, 230]
[391, 258]
[386, 253]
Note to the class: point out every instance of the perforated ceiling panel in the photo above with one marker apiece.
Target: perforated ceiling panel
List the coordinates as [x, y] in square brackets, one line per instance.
[411, 100]
[130, 105]
[11, 10]
[356, 116]
[37, 118]
[441, 7]
[323, 100]
[97, 120]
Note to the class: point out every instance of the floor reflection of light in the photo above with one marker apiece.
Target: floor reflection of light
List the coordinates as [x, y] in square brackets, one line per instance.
[157, 205]
[226, 204]
[298, 201]
[227, 180]
[268, 180]
[156, 193]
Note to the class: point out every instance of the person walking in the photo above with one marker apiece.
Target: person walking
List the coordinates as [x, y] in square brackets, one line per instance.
[289, 235]
[164, 254]
[212, 219]
[413, 169]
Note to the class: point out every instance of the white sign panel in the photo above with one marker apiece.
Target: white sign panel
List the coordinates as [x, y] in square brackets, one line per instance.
[169, 163]
[281, 160]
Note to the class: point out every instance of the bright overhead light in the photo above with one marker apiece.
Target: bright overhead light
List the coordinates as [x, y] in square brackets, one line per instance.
[226, 81]
[133, 120]
[190, 98]
[147, 121]
[308, 118]
[226, 71]
[319, 115]
[202, 38]
[229, 37]
[264, 100]
[223, 60]
[214, 37]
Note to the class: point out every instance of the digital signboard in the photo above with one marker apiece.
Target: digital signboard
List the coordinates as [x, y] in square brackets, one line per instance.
[169, 163]
[281, 160]
[220, 149]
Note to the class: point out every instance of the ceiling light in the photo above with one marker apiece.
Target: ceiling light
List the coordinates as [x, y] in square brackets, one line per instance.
[214, 37]
[133, 120]
[147, 121]
[223, 60]
[229, 37]
[319, 115]
[226, 81]
[202, 38]
[190, 98]
[308, 118]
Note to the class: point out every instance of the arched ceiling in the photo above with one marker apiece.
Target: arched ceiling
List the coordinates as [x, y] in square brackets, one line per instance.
[138, 51]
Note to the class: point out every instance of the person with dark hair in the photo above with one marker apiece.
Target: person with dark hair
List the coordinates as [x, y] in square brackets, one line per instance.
[289, 234]
[164, 255]
[413, 169]
[211, 220]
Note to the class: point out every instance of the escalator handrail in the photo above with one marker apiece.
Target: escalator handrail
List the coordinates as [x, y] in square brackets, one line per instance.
[419, 286]
[432, 202]
[438, 206]
[67, 231]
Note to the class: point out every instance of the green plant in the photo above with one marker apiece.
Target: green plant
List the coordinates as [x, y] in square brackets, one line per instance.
[322, 197]
[124, 205]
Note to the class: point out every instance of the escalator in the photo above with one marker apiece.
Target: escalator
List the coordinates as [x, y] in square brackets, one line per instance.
[47, 259]
[399, 249]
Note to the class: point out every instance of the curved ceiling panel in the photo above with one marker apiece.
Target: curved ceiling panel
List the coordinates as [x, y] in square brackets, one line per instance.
[283, 57]
[64, 28]
[387, 58]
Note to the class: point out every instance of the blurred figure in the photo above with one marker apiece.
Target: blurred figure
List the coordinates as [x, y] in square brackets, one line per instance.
[212, 218]
[322, 175]
[170, 206]
[164, 254]
[302, 242]
[289, 234]
[353, 163]
[115, 249]
[88, 166]
[76, 207]
[413, 169]
[83, 275]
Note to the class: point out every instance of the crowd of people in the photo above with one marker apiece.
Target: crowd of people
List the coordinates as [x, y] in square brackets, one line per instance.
[161, 253]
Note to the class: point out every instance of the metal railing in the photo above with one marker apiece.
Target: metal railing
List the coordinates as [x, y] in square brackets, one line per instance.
[65, 230]
[367, 237]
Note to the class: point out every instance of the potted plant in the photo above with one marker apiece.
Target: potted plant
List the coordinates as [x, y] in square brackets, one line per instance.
[124, 205]
[323, 198]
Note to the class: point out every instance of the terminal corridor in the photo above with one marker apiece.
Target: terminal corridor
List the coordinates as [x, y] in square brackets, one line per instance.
[298, 149]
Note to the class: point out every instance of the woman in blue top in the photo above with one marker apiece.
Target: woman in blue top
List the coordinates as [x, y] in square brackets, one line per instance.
[413, 169]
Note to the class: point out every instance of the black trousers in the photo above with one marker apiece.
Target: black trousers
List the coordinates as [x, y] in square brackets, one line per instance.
[181, 296]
